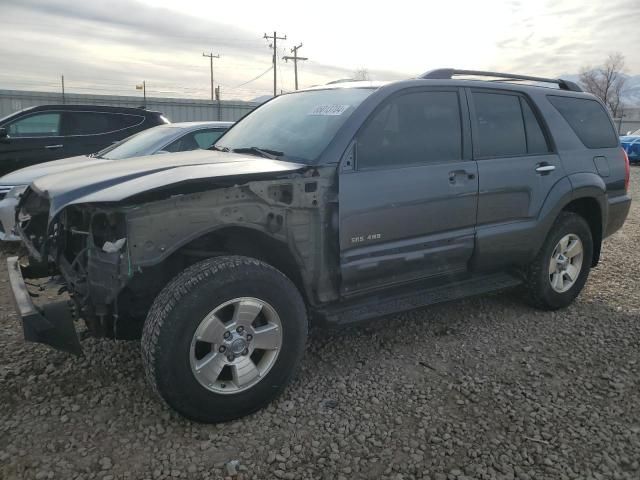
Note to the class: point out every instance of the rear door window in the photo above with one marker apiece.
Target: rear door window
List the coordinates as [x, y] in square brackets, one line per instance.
[499, 125]
[86, 123]
[588, 119]
[505, 125]
[96, 123]
[37, 125]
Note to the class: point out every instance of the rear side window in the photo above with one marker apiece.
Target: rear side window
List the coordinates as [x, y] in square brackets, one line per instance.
[38, 125]
[95, 123]
[124, 120]
[411, 129]
[588, 119]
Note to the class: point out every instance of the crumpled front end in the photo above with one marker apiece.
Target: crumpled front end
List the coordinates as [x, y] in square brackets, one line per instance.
[84, 247]
[113, 258]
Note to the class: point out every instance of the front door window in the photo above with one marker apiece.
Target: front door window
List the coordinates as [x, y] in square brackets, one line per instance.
[38, 125]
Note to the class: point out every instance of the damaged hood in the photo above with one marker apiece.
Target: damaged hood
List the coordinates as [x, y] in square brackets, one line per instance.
[115, 181]
[26, 175]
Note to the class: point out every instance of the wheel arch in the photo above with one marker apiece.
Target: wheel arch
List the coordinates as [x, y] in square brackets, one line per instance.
[245, 241]
[590, 209]
[583, 194]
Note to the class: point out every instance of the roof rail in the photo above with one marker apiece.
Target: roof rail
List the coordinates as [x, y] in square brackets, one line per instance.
[448, 73]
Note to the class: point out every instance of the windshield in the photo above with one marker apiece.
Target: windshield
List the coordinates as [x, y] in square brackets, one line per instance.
[143, 143]
[296, 126]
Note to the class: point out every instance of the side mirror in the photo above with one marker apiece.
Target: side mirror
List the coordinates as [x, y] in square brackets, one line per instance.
[4, 133]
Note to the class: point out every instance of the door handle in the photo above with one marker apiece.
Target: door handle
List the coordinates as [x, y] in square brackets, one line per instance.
[53, 147]
[460, 173]
[545, 168]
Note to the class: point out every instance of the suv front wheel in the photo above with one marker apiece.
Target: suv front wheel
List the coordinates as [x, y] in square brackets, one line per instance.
[560, 270]
[224, 338]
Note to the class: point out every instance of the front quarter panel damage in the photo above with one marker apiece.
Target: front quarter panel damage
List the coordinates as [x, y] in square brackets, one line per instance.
[115, 257]
[294, 210]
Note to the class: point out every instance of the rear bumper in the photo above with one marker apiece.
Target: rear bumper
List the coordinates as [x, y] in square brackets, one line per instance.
[618, 211]
[52, 325]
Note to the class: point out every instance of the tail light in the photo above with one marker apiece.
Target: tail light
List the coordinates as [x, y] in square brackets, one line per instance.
[627, 170]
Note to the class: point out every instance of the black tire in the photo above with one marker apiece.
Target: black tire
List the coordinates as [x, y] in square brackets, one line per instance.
[176, 314]
[538, 287]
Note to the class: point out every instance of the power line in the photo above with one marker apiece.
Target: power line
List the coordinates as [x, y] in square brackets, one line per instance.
[275, 39]
[255, 78]
[295, 59]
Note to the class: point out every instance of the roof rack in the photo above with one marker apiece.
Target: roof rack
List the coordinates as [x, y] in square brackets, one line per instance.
[448, 73]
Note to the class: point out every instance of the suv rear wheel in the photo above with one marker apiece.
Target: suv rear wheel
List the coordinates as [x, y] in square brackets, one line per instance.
[560, 270]
[224, 338]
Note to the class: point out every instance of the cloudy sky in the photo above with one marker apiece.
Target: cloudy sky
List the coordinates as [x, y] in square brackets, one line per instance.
[109, 46]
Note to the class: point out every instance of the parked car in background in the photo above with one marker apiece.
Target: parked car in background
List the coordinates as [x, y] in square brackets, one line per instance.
[174, 137]
[631, 144]
[49, 132]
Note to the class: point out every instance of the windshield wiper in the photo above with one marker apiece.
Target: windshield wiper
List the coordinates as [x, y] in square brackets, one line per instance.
[263, 152]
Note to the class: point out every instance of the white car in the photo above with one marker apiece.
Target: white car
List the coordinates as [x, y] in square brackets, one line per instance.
[173, 137]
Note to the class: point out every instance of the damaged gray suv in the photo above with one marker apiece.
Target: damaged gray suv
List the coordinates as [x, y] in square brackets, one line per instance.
[325, 206]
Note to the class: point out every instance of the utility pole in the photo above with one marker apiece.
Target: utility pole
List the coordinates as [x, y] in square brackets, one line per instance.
[211, 57]
[62, 78]
[218, 100]
[275, 39]
[143, 87]
[295, 59]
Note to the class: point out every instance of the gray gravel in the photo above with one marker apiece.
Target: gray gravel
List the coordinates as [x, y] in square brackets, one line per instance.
[481, 389]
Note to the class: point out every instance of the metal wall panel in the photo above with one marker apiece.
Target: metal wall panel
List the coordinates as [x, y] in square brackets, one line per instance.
[175, 109]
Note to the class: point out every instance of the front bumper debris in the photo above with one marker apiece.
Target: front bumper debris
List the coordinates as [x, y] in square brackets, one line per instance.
[51, 325]
[7, 219]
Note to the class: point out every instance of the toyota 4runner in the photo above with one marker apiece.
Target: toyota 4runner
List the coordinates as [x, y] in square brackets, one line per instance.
[330, 205]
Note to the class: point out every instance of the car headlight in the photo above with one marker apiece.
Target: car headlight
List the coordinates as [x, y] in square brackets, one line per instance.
[16, 191]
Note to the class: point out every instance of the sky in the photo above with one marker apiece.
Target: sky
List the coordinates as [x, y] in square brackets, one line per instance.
[110, 46]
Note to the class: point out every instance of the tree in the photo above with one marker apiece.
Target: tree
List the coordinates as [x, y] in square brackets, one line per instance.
[606, 82]
[361, 74]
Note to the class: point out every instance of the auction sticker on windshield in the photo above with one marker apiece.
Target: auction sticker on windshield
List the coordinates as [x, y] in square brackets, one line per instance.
[328, 110]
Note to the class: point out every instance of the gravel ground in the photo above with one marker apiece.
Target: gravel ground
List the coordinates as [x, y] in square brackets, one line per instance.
[479, 389]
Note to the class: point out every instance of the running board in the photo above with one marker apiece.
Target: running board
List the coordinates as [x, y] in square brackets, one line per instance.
[396, 300]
